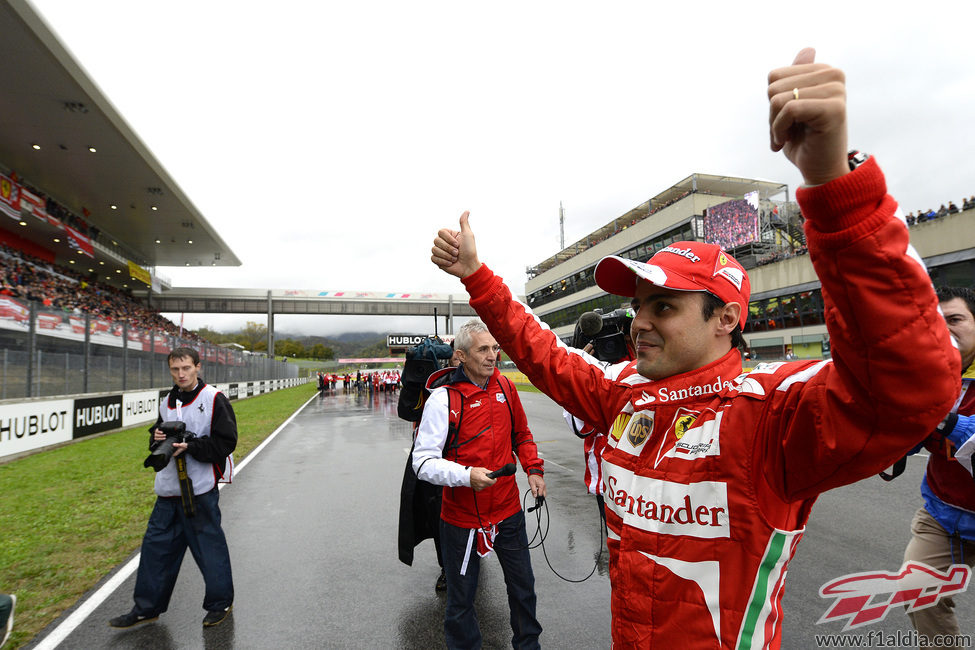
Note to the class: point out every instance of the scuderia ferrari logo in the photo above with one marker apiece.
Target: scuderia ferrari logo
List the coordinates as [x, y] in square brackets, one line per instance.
[696, 436]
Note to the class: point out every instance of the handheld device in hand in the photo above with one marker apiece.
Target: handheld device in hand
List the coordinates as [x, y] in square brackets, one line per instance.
[507, 470]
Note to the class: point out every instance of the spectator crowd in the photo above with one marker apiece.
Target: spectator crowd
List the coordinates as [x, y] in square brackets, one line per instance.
[26, 277]
[940, 213]
[779, 255]
[731, 224]
[912, 218]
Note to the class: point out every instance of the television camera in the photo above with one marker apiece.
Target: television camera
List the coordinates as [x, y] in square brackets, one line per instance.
[607, 333]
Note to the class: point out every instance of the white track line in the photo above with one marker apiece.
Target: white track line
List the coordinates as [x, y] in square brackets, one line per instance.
[78, 616]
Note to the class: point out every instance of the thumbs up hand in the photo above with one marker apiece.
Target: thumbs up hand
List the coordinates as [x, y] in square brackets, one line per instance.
[454, 250]
[807, 117]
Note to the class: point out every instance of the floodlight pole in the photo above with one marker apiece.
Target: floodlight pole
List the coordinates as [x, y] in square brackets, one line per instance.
[561, 227]
[449, 327]
[270, 326]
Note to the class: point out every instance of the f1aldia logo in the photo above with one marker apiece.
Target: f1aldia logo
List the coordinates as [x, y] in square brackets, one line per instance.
[865, 598]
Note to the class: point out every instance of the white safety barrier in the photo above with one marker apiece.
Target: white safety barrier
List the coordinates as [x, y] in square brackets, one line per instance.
[35, 424]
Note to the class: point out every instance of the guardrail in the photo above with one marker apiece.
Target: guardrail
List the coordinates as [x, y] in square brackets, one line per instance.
[47, 352]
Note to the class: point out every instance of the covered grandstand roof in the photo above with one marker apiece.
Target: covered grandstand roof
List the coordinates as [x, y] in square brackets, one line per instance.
[730, 186]
[49, 101]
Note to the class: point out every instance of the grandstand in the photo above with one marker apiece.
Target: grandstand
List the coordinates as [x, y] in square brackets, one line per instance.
[705, 190]
[87, 214]
[762, 228]
[71, 161]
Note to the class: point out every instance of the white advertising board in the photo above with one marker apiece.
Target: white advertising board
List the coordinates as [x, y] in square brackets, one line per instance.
[32, 425]
[142, 406]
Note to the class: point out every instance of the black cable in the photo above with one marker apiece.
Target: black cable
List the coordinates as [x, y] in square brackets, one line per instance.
[538, 517]
[537, 508]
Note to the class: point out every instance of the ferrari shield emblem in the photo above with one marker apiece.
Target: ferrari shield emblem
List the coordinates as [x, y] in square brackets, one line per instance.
[682, 424]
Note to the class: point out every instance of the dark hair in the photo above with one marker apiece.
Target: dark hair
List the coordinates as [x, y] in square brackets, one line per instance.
[712, 303]
[950, 293]
[180, 353]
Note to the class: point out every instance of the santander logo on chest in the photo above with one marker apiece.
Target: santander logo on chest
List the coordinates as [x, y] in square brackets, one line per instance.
[693, 385]
[653, 394]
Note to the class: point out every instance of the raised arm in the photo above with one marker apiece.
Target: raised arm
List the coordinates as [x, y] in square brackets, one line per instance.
[895, 373]
[572, 378]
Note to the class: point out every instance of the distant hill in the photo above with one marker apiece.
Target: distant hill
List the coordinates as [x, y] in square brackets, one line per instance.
[347, 345]
[359, 336]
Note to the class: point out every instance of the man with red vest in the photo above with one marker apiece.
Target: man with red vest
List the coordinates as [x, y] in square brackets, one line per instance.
[473, 425]
[943, 531]
[710, 473]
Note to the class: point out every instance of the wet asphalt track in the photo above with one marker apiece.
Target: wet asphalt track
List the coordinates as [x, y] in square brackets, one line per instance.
[311, 524]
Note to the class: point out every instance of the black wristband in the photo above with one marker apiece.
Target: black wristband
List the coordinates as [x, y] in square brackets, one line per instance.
[946, 426]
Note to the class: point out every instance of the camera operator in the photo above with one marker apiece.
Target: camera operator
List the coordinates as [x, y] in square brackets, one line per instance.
[174, 525]
[613, 330]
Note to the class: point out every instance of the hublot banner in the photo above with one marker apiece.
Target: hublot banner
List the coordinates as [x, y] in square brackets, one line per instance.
[97, 414]
[403, 340]
[44, 423]
[139, 407]
[37, 424]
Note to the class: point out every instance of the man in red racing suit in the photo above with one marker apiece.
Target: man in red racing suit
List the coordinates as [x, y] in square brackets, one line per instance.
[710, 474]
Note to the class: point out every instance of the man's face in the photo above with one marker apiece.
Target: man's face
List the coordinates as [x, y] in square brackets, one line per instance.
[961, 324]
[669, 333]
[479, 360]
[184, 372]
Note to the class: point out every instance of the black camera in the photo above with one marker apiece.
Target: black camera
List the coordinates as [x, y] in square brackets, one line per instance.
[162, 450]
[606, 332]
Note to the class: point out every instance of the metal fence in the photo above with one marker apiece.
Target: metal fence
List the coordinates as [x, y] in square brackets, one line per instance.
[44, 352]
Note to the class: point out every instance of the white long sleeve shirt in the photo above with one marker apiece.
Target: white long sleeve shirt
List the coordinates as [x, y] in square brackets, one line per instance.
[428, 461]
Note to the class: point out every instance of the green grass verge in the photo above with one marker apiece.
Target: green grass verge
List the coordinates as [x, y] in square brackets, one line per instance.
[71, 515]
[526, 388]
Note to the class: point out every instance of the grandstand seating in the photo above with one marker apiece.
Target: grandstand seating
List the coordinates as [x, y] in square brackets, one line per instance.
[27, 278]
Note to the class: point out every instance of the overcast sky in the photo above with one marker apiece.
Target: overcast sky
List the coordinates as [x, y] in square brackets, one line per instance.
[328, 141]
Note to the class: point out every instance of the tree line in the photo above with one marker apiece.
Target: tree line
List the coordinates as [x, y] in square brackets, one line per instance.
[253, 338]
